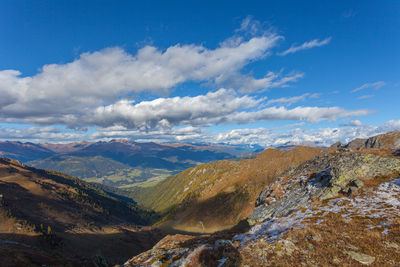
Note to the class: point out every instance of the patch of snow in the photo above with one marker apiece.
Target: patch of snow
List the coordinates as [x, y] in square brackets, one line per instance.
[272, 229]
[221, 262]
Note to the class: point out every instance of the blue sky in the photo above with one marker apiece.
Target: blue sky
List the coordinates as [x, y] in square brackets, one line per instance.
[265, 72]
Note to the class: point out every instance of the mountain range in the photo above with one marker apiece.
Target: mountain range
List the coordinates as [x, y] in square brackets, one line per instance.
[118, 163]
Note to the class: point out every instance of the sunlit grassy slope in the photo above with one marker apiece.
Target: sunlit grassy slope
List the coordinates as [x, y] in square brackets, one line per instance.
[218, 195]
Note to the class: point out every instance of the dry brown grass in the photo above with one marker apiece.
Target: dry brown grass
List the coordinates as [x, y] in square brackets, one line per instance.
[376, 181]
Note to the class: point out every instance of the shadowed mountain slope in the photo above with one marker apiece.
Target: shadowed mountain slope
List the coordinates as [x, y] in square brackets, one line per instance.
[46, 213]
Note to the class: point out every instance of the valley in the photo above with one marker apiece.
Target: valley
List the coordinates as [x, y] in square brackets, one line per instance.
[118, 163]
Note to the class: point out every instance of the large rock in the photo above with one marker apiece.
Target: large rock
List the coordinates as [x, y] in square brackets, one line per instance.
[320, 178]
[361, 258]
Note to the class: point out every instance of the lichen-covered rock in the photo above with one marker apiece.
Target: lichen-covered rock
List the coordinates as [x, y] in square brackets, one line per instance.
[361, 258]
[320, 178]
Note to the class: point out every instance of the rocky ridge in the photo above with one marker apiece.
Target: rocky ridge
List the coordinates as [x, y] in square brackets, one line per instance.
[321, 178]
[389, 141]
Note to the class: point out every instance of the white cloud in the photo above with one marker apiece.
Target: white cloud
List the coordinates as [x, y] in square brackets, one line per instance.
[67, 94]
[354, 123]
[306, 45]
[187, 134]
[168, 112]
[291, 100]
[41, 134]
[365, 97]
[250, 26]
[220, 107]
[58, 91]
[311, 114]
[375, 85]
[247, 84]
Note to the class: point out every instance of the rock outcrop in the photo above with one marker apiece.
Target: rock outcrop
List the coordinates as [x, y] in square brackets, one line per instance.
[320, 178]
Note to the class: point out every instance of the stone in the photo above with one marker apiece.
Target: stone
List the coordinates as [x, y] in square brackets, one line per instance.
[321, 178]
[361, 258]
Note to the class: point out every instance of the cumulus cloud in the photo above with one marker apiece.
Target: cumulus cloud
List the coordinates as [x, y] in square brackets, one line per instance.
[168, 112]
[222, 106]
[101, 77]
[305, 46]
[375, 85]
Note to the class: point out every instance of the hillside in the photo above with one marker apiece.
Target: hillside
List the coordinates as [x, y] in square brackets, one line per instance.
[297, 217]
[44, 214]
[83, 167]
[215, 196]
